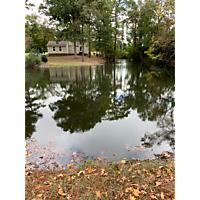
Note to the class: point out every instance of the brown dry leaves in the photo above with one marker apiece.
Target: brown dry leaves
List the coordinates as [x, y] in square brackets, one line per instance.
[129, 179]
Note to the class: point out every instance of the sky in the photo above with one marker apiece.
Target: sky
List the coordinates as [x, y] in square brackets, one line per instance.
[35, 8]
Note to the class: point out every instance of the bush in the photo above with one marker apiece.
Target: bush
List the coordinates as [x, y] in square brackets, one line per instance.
[44, 59]
[32, 60]
[122, 55]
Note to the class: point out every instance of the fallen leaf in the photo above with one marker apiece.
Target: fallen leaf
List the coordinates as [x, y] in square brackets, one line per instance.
[102, 171]
[158, 183]
[123, 161]
[39, 186]
[123, 178]
[136, 192]
[61, 192]
[113, 154]
[139, 164]
[168, 170]
[81, 172]
[154, 170]
[90, 170]
[44, 155]
[132, 198]
[146, 172]
[28, 156]
[99, 159]
[39, 195]
[129, 169]
[153, 197]
[129, 189]
[160, 167]
[98, 194]
[60, 175]
[162, 195]
[165, 154]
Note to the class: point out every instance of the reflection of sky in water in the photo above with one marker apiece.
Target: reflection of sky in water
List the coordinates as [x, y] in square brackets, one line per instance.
[108, 136]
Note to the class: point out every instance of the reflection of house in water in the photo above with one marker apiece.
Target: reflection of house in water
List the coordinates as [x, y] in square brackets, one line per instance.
[70, 73]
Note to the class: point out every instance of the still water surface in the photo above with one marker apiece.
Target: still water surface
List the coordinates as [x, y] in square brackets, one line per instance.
[105, 108]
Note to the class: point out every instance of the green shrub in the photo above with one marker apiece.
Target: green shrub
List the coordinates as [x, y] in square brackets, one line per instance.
[122, 55]
[44, 59]
[32, 60]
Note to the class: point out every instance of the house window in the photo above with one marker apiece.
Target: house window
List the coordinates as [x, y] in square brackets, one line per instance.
[60, 49]
[80, 48]
[54, 49]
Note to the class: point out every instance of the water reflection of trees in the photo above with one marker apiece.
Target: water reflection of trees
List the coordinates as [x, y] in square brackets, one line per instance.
[89, 95]
[32, 113]
[165, 133]
[35, 84]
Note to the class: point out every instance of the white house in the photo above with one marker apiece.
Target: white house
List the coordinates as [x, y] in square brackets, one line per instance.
[64, 48]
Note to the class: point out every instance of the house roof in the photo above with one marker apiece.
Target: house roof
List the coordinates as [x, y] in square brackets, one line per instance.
[59, 44]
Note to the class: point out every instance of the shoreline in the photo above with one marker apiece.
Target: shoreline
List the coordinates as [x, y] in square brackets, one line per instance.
[70, 61]
[131, 179]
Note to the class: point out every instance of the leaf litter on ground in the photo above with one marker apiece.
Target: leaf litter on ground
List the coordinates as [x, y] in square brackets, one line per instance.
[96, 179]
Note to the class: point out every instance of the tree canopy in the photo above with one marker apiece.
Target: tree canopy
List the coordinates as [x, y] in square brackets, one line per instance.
[148, 27]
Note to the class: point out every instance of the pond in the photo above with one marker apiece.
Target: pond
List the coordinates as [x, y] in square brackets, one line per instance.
[113, 111]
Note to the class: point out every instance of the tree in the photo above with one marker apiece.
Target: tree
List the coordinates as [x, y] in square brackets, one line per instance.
[33, 21]
[103, 30]
[47, 34]
[132, 23]
[28, 5]
[119, 8]
[163, 41]
[27, 43]
[67, 13]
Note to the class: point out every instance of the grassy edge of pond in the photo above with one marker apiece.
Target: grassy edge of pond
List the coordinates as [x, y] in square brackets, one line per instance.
[63, 61]
[94, 179]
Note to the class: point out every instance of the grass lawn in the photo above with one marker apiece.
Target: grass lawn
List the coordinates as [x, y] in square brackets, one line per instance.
[70, 61]
[94, 179]
[62, 61]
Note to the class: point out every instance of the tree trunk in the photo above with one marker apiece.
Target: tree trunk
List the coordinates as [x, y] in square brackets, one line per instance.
[44, 45]
[83, 45]
[135, 38]
[89, 43]
[115, 43]
[83, 53]
[75, 56]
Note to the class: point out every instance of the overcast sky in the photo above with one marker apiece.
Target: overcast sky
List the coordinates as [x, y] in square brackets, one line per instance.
[34, 9]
